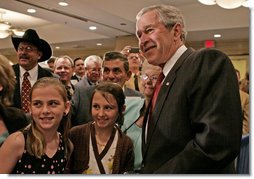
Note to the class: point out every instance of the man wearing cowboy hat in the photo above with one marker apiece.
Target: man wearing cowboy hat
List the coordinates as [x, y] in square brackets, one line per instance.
[30, 50]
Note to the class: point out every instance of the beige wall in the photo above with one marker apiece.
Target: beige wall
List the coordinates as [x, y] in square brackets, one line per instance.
[237, 50]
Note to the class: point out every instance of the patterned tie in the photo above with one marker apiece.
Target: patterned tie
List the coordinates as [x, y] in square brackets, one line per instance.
[68, 90]
[154, 98]
[136, 82]
[26, 88]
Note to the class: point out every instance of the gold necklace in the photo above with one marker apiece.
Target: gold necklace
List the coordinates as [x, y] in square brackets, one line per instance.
[102, 145]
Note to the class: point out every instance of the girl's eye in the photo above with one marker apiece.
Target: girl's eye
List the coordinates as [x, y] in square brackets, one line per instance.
[108, 108]
[53, 103]
[95, 106]
[36, 104]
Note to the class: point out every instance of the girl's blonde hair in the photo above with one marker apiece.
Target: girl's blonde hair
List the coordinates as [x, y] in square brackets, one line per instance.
[35, 142]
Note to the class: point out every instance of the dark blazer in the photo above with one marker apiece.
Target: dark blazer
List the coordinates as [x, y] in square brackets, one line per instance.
[14, 119]
[17, 97]
[80, 137]
[81, 102]
[197, 116]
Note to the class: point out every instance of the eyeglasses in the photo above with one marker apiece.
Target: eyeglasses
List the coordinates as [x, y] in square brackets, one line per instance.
[146, 77]
[27, 49]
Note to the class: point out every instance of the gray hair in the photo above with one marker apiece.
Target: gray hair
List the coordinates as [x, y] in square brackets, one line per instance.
[65, 57]
[93, 58]
[169, 16]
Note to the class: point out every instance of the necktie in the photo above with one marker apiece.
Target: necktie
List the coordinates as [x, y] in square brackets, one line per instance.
[68, 90]
[157, 88]
[26, 88]
[154, 98]
[136, 82]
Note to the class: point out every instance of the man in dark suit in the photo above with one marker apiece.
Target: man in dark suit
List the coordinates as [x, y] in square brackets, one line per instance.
[79, 70]
[195, 125]
[30, 50]
[115, 68]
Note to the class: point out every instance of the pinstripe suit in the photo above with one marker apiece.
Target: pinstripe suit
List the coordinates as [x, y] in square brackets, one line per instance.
[197, 116]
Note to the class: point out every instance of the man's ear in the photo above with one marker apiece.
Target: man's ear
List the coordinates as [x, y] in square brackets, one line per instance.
[1, 87]
[177, 30]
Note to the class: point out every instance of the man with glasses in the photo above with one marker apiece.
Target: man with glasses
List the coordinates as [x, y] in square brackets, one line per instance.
[30, 50]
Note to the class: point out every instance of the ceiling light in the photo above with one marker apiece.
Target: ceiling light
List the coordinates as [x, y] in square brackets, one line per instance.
[207, 2]
[4, 25]
[226, 4]
[247, 3]
[92, 28]
[31, 10]
[18, 32]
[217, 35]
[63, 3]
[99, 44]
[4, 34]
[5, 28]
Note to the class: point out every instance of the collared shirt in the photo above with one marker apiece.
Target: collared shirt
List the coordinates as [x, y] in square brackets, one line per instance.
[166, 69]
[170, 63]
[33, 75]
[78, 77]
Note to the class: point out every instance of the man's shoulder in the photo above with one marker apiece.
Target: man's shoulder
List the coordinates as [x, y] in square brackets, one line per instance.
[43, 72]
[82, 83]
[132, 92]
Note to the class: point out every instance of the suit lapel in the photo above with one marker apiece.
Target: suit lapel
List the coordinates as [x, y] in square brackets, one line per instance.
[163, 93]
[16, 97]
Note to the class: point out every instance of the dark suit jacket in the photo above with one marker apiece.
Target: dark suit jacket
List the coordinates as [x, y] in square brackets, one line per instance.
[81, 102]
[17, 97]
[14, 119]
[197, 116]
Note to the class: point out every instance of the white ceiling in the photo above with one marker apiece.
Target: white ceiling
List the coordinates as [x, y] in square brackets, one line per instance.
[68, 26]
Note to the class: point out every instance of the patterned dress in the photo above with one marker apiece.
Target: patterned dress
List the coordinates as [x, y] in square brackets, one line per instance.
[29, 164]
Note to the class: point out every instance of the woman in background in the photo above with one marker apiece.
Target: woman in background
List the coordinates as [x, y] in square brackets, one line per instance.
[11, 119]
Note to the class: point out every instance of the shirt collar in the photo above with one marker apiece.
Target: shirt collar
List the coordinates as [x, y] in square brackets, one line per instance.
[33, 73]
[170, 63]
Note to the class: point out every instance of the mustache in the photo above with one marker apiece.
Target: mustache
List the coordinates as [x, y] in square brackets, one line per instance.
[24, 56]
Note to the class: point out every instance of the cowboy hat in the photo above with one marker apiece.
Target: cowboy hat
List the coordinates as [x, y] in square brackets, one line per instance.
[32, 37]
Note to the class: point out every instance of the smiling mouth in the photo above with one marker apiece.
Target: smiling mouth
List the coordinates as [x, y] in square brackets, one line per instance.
[148, 48]
[46, 118]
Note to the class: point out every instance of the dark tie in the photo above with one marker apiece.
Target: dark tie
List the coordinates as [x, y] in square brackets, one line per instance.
[26, 88]
[136, 82]
[154, 98]
[68, 90]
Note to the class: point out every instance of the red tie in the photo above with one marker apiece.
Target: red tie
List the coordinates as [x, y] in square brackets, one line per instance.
[154, 98]
[157, 89]
[26, 88]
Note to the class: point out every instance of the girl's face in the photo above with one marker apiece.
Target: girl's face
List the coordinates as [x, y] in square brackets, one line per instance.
[104, 110]
[48, 107]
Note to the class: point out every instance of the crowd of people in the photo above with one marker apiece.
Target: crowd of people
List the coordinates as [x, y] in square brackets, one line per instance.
[162, 108]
